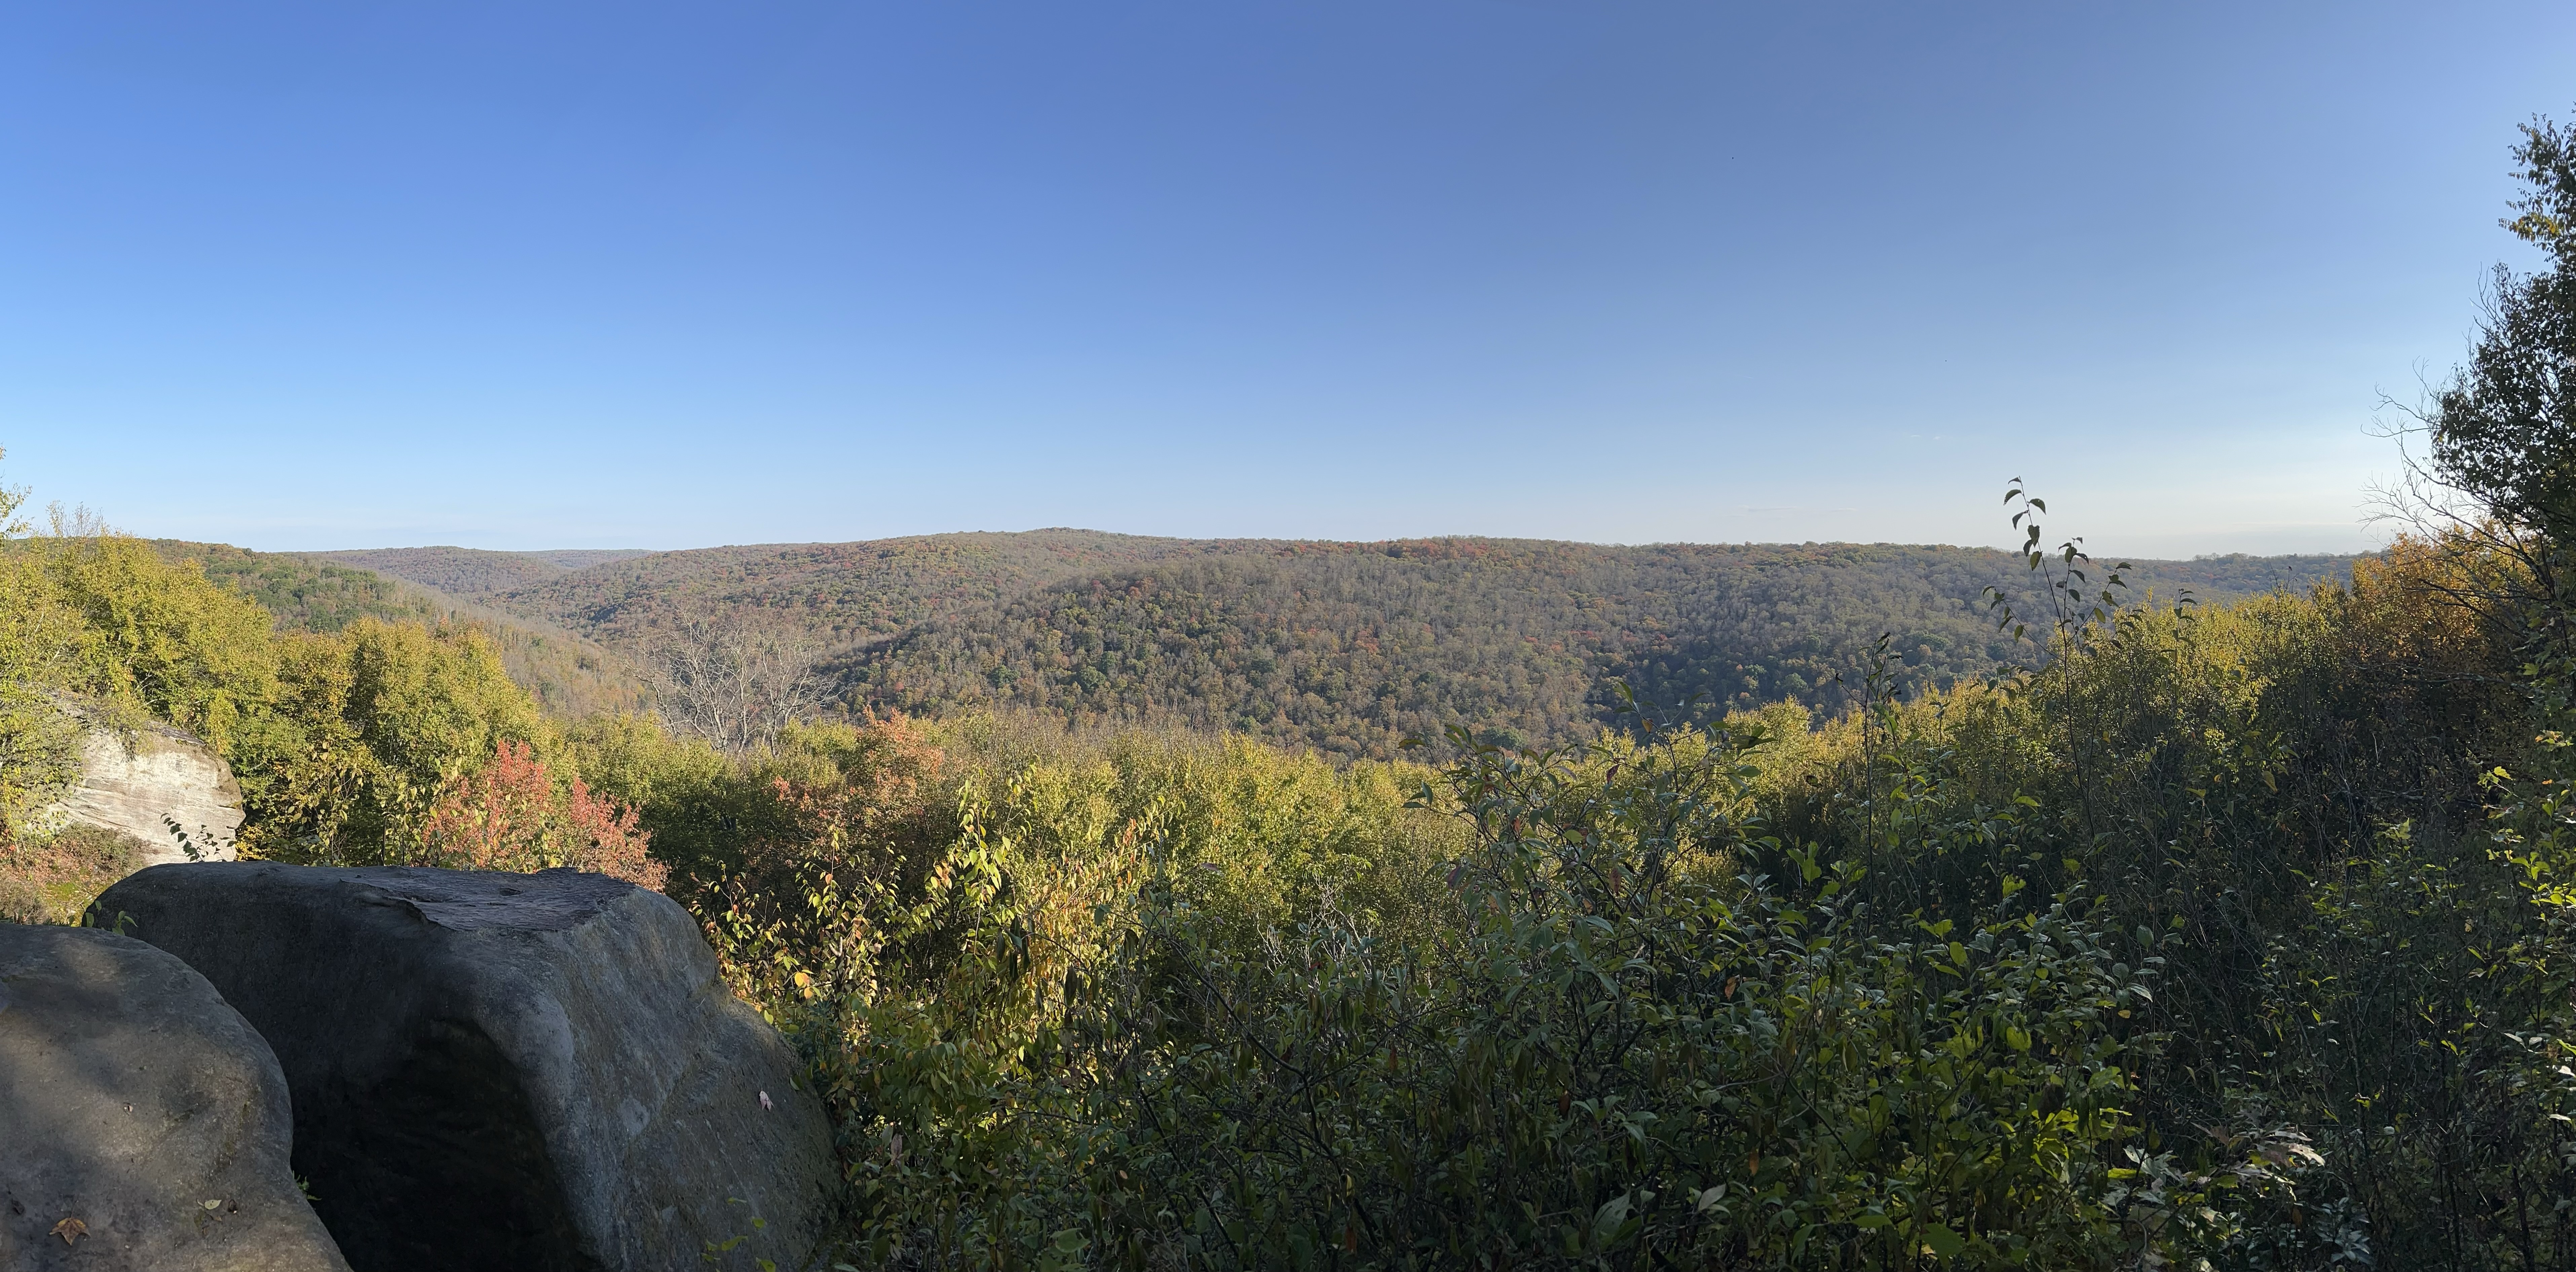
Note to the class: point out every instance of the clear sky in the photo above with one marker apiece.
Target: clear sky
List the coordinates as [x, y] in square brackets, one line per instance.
[666, 275]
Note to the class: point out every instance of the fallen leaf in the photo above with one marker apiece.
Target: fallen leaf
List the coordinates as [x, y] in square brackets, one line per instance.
[70, 1228]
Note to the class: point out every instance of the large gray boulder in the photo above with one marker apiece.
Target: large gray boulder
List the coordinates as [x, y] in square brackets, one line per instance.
[143, 1124]
[505, 1071]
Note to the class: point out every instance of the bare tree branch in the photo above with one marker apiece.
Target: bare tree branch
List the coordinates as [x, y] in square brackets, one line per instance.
[736, 680]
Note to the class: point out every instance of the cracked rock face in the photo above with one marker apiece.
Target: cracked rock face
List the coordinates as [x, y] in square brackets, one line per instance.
[501, 1070]
[156, 783]
[143, 1123]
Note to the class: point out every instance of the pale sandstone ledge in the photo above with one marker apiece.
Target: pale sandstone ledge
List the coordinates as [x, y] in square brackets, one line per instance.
[143, 781]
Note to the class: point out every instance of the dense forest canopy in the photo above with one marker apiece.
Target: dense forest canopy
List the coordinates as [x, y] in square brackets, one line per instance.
[570, 675]
[471, 571]
[1351, 648]
[839, 592]
[1344, 647]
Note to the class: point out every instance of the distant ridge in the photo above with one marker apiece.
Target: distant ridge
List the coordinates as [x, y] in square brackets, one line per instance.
[584, 558]
[1352, 648]
[1340, 646]
[842, 592]
[474, 571]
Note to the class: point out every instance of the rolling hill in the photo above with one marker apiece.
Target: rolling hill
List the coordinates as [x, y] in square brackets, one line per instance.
[1345, 647]
[465, 572]
[840, 593]
[570, 675]
[1350, 648]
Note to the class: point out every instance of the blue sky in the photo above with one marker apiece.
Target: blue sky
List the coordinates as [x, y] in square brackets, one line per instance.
[668, 275]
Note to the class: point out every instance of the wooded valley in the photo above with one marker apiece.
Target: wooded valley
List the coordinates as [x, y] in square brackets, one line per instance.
[1346, 648]
[1142, 903]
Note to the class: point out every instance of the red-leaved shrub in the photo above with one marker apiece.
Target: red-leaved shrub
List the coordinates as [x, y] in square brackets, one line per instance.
[510, 815]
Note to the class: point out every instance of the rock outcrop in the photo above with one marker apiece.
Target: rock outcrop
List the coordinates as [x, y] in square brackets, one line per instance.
[143, 1124]
[498, 1070]
[145, 781]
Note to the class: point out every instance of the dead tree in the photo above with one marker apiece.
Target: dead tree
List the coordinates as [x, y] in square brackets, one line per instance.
[736, 679]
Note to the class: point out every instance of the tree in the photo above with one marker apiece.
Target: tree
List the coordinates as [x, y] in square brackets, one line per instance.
[736, 681]
[12, 498]
[2504, 430]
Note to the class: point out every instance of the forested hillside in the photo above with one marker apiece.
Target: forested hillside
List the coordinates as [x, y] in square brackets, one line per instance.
[1345, 647]
[468, 572]
[1350, 648]
[837, 593]
[2234, 937]
[569, 675]
[304, 594]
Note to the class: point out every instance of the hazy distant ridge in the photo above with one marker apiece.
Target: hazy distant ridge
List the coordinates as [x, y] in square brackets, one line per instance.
[1347, 647]
[474, 571]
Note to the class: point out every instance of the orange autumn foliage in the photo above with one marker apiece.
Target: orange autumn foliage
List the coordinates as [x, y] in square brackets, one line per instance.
[511, 815]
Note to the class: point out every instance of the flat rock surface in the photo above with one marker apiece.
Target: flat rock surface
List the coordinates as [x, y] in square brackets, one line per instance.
[140, 1116]
[503, 1070]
